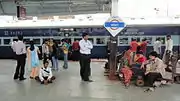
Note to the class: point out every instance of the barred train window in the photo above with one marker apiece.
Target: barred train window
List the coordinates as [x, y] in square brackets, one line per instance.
[149, 40]
[163, 39]
[7, 41]
[15, 39]
[100, 40]
[123, 40]
[58, 41]
[77, 39]
[27, 41]
[36, 41]
[91, 39]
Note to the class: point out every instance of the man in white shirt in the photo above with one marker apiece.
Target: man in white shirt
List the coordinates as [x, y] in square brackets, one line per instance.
[168, 49]
[157, 46]
[85, 50]
[20, 49]
[45, 74]
[169, 44]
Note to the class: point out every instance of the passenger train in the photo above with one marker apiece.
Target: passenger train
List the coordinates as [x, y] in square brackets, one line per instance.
[99, 36]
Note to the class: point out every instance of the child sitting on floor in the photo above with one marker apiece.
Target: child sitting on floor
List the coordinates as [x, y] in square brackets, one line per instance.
[45, 74]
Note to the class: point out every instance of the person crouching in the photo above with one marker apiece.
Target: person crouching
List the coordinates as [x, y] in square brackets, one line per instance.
[45, 74]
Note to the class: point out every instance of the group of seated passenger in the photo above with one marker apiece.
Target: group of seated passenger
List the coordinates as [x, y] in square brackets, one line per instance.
[137, 65]
[151, 70]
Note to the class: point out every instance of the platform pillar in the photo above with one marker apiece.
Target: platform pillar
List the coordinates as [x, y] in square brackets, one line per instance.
[113, 44]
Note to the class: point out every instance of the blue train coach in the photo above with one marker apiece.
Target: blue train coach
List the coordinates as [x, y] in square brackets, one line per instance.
[99, 36]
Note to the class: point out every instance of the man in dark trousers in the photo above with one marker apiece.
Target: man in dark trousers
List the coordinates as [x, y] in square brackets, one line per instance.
[85, 50]
[20, 49]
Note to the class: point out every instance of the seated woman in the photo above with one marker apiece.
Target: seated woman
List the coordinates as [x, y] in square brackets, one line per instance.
[155, 69]
[139, 59]
[128, 56]
[127, 74]
[45, 74]
[138, 72]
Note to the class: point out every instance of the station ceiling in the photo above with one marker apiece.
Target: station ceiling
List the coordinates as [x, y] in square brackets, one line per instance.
[55, 7]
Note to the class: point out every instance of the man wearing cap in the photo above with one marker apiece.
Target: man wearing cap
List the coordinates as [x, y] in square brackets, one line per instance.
[85, 50]
[20, 49]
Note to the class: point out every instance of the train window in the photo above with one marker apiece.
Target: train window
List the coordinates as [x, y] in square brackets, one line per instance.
[149, 40]
[36, 41]
[91, 39]
[67, 40]
[77, 39]
[137, 39]
[163, 39]
[27, 41]
[123, 40]
[45, 39]
[100, 40]
[7, 41]
[58, 41]
[15, 39]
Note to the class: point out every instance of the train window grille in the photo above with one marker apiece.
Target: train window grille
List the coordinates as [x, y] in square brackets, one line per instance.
[91, 39]
[163, 40]
[37, 41]
[149, 40]
[123, 40]
[27, 41]
[15, 39]
[100, 40]
[77, 39]
[58, 41]
[7, 41]
[137, 39]
[45, 39]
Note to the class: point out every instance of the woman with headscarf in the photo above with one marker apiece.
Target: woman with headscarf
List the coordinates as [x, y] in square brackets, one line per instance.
[33, 58]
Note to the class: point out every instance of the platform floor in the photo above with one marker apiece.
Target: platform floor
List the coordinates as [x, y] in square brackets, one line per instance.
[69, 87]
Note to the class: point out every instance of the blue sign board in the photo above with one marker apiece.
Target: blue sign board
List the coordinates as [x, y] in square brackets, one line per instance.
[115, 24]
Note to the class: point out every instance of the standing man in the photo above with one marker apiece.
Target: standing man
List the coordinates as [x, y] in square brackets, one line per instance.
[20, 49]
[168, 49]
[85, 50]
[157, 47]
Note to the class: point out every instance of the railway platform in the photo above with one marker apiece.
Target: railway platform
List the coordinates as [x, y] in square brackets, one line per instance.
[69, 87]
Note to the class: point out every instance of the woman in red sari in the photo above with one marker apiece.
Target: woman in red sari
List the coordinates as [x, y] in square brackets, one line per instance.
[127, 74]
[125, 70]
